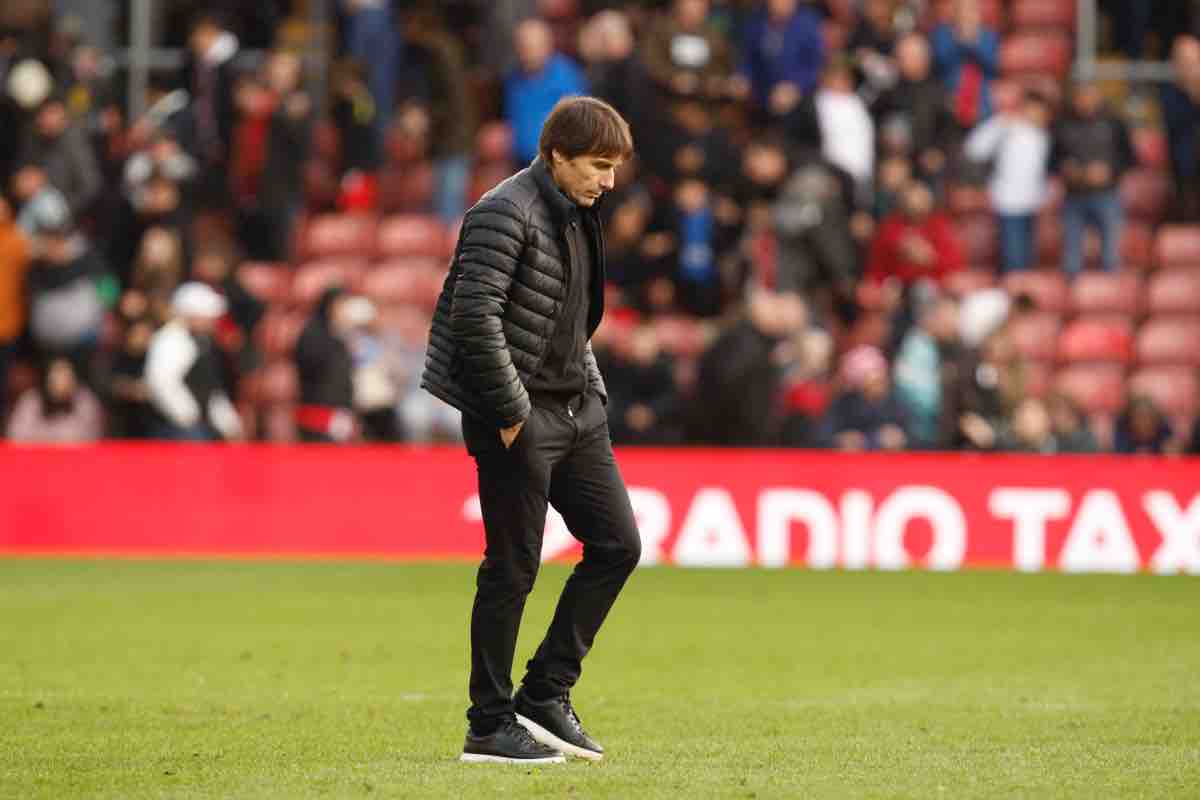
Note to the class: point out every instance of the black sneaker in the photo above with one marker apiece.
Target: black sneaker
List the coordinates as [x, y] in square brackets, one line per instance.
[554, 723]
[508, 744]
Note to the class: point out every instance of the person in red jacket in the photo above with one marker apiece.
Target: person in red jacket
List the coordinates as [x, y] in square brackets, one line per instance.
[916, 243]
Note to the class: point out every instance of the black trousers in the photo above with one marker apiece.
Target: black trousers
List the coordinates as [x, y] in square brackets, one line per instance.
[562, 456]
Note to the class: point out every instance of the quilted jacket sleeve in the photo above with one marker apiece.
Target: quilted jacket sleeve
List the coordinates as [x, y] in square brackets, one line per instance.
[594, 378]
[492, 241]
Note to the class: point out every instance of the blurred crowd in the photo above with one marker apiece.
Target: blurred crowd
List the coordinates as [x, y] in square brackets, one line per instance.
[849, 224]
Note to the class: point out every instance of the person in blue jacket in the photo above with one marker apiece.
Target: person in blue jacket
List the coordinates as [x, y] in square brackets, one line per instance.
[783, 52]
[967, 55]
[542, 78]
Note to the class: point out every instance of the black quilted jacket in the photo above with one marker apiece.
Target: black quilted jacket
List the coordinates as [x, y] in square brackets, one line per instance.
[504, 296]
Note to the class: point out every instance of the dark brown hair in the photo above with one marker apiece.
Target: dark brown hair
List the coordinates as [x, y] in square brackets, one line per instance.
[579, 126]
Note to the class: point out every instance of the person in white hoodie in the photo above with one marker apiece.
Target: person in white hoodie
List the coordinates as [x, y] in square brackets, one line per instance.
[1017, 144]
[184, 373]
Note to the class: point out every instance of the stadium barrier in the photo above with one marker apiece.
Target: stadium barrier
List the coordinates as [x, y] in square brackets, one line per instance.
[701, 508]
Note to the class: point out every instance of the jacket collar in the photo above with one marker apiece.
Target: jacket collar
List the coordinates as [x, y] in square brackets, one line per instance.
[560, 205]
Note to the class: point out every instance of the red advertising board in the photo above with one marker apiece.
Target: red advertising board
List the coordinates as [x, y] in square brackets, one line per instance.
[694, 507]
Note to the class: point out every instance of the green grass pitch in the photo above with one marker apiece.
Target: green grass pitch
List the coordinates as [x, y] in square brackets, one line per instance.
[293, 680]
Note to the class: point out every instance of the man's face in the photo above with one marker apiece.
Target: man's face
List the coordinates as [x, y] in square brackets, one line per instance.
[534, 45]
[918, 202]
[781, 9]
[912, 54]
[585, 178]
[691, 14]
[1087, 100]
[52, 120]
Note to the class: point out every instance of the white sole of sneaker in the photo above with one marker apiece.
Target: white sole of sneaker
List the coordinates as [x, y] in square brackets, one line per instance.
[480, 758]
[550, 740]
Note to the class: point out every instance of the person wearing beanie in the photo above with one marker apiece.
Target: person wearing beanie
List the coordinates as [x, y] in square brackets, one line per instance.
[184, 371]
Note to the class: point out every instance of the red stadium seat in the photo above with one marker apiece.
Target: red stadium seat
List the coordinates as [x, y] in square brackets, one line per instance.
[1035, 334]
[484, 177]
[1052, 14]
[408, 235]
[279, 382]
[1144, 193]
[969, 280]
[1037, 378]
[1178, 246]
[406, 189]
[1170, 340]
[681, 335]
[1095, 388]
[1047, 288]
[1174, 291]
[963, 199]
[268, 281]
[1150, 147]
[1096, 339]
[494, 143]
[992, 13]
[399, 281]
[1040, 52]
[1174, 390]
[278, 331]
[977, 235]
[279, 423]
[337, 235]
[1137, 246]
[313, 278]
[1049, 240]
[1101, 292]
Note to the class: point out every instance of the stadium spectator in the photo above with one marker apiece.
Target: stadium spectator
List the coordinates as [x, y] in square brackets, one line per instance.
[1143, 429]
[917, 243]
[700, 246]
[210, 77]
[128, 393]
[1180, 102]
[977, 403]
[616, 71]
[61, 150]
[542, 78]
[1018, 145]
[846, 128]
[806, 388]
[967, 54]
[867, 414]
[872, 44]
[326, 367]
[446, 93]
[1071, 429]
[58, 410]
[685, 55]
[924, 366]
[782, 55]
[643, 402]
[1031, 429]
[741, 373]
[812, 218]
[917, 103]
[373, 41]
[184, 372]
[1091, 150]
[14, 262]
[66, 309]
[288, 141]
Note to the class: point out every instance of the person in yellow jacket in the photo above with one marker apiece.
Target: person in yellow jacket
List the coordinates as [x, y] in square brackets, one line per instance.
[14, 262]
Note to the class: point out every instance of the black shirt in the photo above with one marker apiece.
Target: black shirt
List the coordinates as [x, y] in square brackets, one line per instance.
[563, 373]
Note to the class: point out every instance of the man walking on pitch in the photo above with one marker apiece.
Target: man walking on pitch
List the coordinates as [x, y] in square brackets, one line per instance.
[509, 346]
